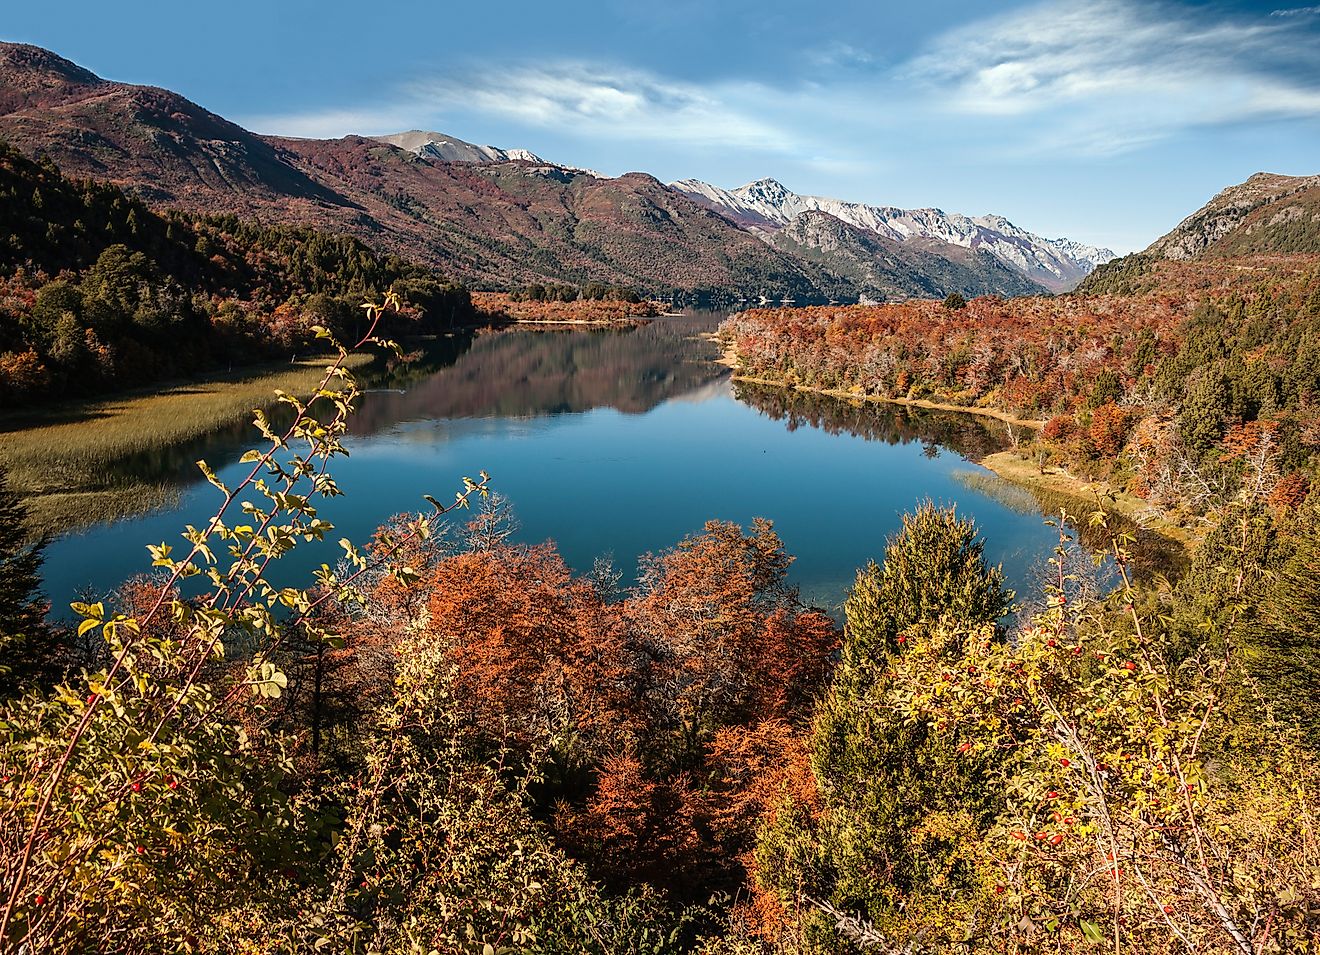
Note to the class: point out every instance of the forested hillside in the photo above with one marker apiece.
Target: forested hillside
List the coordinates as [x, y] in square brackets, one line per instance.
[1195, 386]
[98, 291]
[1188, 382]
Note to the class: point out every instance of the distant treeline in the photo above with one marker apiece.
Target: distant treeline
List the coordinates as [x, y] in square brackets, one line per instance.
[98, 291]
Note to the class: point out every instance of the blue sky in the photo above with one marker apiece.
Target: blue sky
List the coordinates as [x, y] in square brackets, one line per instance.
[1105, 121]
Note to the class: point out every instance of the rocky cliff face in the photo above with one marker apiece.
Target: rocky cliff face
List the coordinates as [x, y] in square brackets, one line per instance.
[1267, 213]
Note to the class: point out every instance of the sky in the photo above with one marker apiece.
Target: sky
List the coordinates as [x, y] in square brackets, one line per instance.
[1104, 121]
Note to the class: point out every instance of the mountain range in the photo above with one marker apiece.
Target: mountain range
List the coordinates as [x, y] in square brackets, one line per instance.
[497, 218]
[767, 206]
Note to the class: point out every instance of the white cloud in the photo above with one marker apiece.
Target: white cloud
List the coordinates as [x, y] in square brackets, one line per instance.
[610, 103]
[1118, 75]
[1296, 12]
[575, 98]
[332, 123]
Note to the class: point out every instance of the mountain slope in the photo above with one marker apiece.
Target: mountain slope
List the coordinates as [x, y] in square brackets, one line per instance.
[508, 223]
[489, 223]
[886, 269]
[767, 205]
[165, 147]
[490, 217]
[1267, 213]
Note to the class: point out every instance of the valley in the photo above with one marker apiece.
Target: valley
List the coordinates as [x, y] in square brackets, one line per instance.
[414, 545]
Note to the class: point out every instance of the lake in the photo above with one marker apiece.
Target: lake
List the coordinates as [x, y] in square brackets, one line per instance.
[609, 442]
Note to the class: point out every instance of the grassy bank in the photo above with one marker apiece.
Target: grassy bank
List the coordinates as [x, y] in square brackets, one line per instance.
[68, 459]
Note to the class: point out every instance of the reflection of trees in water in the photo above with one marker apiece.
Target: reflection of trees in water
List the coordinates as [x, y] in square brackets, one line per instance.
[968, 435]
[971, 437]
[523, 372]
[516, 372]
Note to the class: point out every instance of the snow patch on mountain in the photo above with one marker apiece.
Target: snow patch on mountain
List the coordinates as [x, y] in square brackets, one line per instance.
[438, 146]
[767, 205]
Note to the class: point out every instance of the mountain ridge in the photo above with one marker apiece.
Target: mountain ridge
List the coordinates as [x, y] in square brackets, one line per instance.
[1267, 212]
[767, 205]
[489, 216]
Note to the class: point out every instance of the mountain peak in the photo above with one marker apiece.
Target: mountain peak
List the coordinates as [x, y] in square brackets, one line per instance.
[25, 56]
[433, 145]
[37, 77]
[764, 187]
[767, 205]
[1268, 212]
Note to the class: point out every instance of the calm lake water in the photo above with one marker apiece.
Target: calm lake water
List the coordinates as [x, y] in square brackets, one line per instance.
[612, 442]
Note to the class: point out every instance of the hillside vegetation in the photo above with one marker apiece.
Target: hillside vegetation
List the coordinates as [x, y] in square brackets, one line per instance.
[99, 292]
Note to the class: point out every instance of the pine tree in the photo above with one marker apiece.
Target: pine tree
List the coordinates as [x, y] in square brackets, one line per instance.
[901, 803]
[25, 641]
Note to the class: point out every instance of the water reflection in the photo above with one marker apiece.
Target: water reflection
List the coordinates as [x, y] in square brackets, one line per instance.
[971, 436]
[612, 441]
[522, 372]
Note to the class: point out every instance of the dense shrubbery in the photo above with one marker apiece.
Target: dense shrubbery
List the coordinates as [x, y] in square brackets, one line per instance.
[97, 291]
[1197, 393]
[591, 292]
[498, 306]
[450, 743]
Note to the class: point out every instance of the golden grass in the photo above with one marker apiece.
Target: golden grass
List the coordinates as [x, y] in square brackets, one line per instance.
[67, 459]
[1011, 467]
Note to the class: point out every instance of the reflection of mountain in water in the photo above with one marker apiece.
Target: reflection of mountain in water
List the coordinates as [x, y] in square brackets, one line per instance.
[522, 372]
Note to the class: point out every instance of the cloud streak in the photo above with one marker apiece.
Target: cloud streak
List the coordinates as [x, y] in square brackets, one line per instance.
[1118, 76]
[575, 98]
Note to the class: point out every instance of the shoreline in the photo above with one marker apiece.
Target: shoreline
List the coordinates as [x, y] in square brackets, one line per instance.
[1032, 423]
[1006, 464]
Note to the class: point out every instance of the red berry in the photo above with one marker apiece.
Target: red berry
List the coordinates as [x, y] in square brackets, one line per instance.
[1056, 838]
[999, 888]
[1018, 834]
[1129, 665]
[41, 900]
[91, 698]
[1168, 910]
[1064, 763]
[902, 639]
[1051, 795]
[137, 787]
[1049, 643]
[141, 850]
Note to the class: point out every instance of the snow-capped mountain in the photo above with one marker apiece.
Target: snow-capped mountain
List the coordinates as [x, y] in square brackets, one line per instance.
[767, 206]
[449, 149]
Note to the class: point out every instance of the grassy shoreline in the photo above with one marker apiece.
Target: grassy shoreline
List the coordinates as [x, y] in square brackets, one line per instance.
[63, 458]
